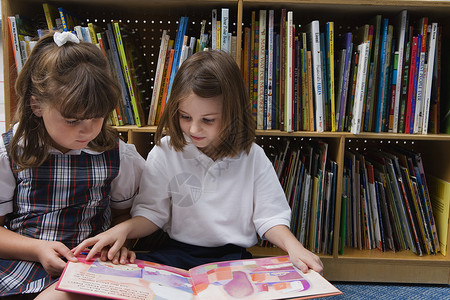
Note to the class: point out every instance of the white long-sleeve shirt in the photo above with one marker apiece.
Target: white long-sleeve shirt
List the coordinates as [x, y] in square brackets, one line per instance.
[211, 203]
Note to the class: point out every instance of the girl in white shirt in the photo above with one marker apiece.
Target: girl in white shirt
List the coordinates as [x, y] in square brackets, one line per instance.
[64, 173]
[207, 184]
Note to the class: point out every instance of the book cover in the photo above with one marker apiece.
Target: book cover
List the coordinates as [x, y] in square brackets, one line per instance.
[440, 201]
[261, 278]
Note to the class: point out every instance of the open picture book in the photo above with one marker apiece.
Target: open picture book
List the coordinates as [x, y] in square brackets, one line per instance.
[260, 278]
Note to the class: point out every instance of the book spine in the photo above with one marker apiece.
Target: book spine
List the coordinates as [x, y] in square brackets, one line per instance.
[414, 85]
[418, 117]
[261, 69]
[429, 78]
[117, 65]
[400, 49]
[127, 74]
[182, 26]
[288, 125]
[214, 29]
[317, 73]
[360, 87]
[64, 20]
[330, 72]
[224, 28]
[381, 84]
[158, 76]
[15, 42]
[269, 70]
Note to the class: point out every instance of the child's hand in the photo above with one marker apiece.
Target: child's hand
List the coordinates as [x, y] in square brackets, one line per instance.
[123, 256]
[49, 255]
[302, 258]
[305, 259]
[108, 243]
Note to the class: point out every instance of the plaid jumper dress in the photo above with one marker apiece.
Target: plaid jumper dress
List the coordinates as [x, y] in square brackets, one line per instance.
[67, 200]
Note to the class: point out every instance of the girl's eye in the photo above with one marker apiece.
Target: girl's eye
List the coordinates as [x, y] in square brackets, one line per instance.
[72, 122]
[185, 117]
[208, 120]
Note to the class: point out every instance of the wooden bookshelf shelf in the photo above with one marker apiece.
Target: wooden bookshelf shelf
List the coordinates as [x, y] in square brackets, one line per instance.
[150, 17]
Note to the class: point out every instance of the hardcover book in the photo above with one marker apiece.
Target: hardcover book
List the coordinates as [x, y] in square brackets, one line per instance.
[262, 278]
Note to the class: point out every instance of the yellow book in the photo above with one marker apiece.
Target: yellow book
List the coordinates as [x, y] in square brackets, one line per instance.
[51, 14]
[440, 202]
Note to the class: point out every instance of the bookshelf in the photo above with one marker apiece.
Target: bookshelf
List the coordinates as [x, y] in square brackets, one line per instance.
[150, 17]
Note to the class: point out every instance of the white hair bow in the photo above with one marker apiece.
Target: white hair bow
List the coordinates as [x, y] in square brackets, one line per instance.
[61, 38]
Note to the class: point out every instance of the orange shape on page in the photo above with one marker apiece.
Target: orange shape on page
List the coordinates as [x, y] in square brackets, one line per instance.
[201, 287]
[281, 286]
[258, 277]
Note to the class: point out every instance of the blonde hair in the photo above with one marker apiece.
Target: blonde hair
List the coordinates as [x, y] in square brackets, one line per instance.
[209, 74]
[73, 78]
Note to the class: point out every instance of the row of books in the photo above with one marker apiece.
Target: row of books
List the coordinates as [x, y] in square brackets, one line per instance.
[174, 50]
[386, 203]
[383, 76]
[120, 44]
[309, 179]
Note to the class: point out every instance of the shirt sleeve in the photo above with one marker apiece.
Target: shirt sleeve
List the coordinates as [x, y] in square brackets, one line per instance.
[7, 182]
[270, 204]
[126, 185]
[153, 200]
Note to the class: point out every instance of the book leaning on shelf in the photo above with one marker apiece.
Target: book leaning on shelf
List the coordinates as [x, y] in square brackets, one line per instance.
[262, 278]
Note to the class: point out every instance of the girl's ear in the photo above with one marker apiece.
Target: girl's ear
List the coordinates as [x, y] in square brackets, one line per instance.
[35, 106]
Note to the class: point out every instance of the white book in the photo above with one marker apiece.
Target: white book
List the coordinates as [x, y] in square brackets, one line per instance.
[270, 69]
[214, 29]
[420, 79]
[261, 68]
[158, 76]
[400, 49]
[15, 42]
[313, 30]
[288, 123]
[363, 50]
[224, 23]
[429, 78]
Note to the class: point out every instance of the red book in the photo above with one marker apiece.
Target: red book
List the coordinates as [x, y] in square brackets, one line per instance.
[412, 69]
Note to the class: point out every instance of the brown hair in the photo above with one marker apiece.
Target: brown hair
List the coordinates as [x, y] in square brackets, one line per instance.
[73, 78]
[208, 74]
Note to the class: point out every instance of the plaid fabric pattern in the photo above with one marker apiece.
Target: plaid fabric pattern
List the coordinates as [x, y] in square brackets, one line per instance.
[67, 200]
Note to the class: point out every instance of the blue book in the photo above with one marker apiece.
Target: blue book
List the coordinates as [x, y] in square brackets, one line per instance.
[182, 27]
[118, 71]
[382, 81]
[346, 74]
